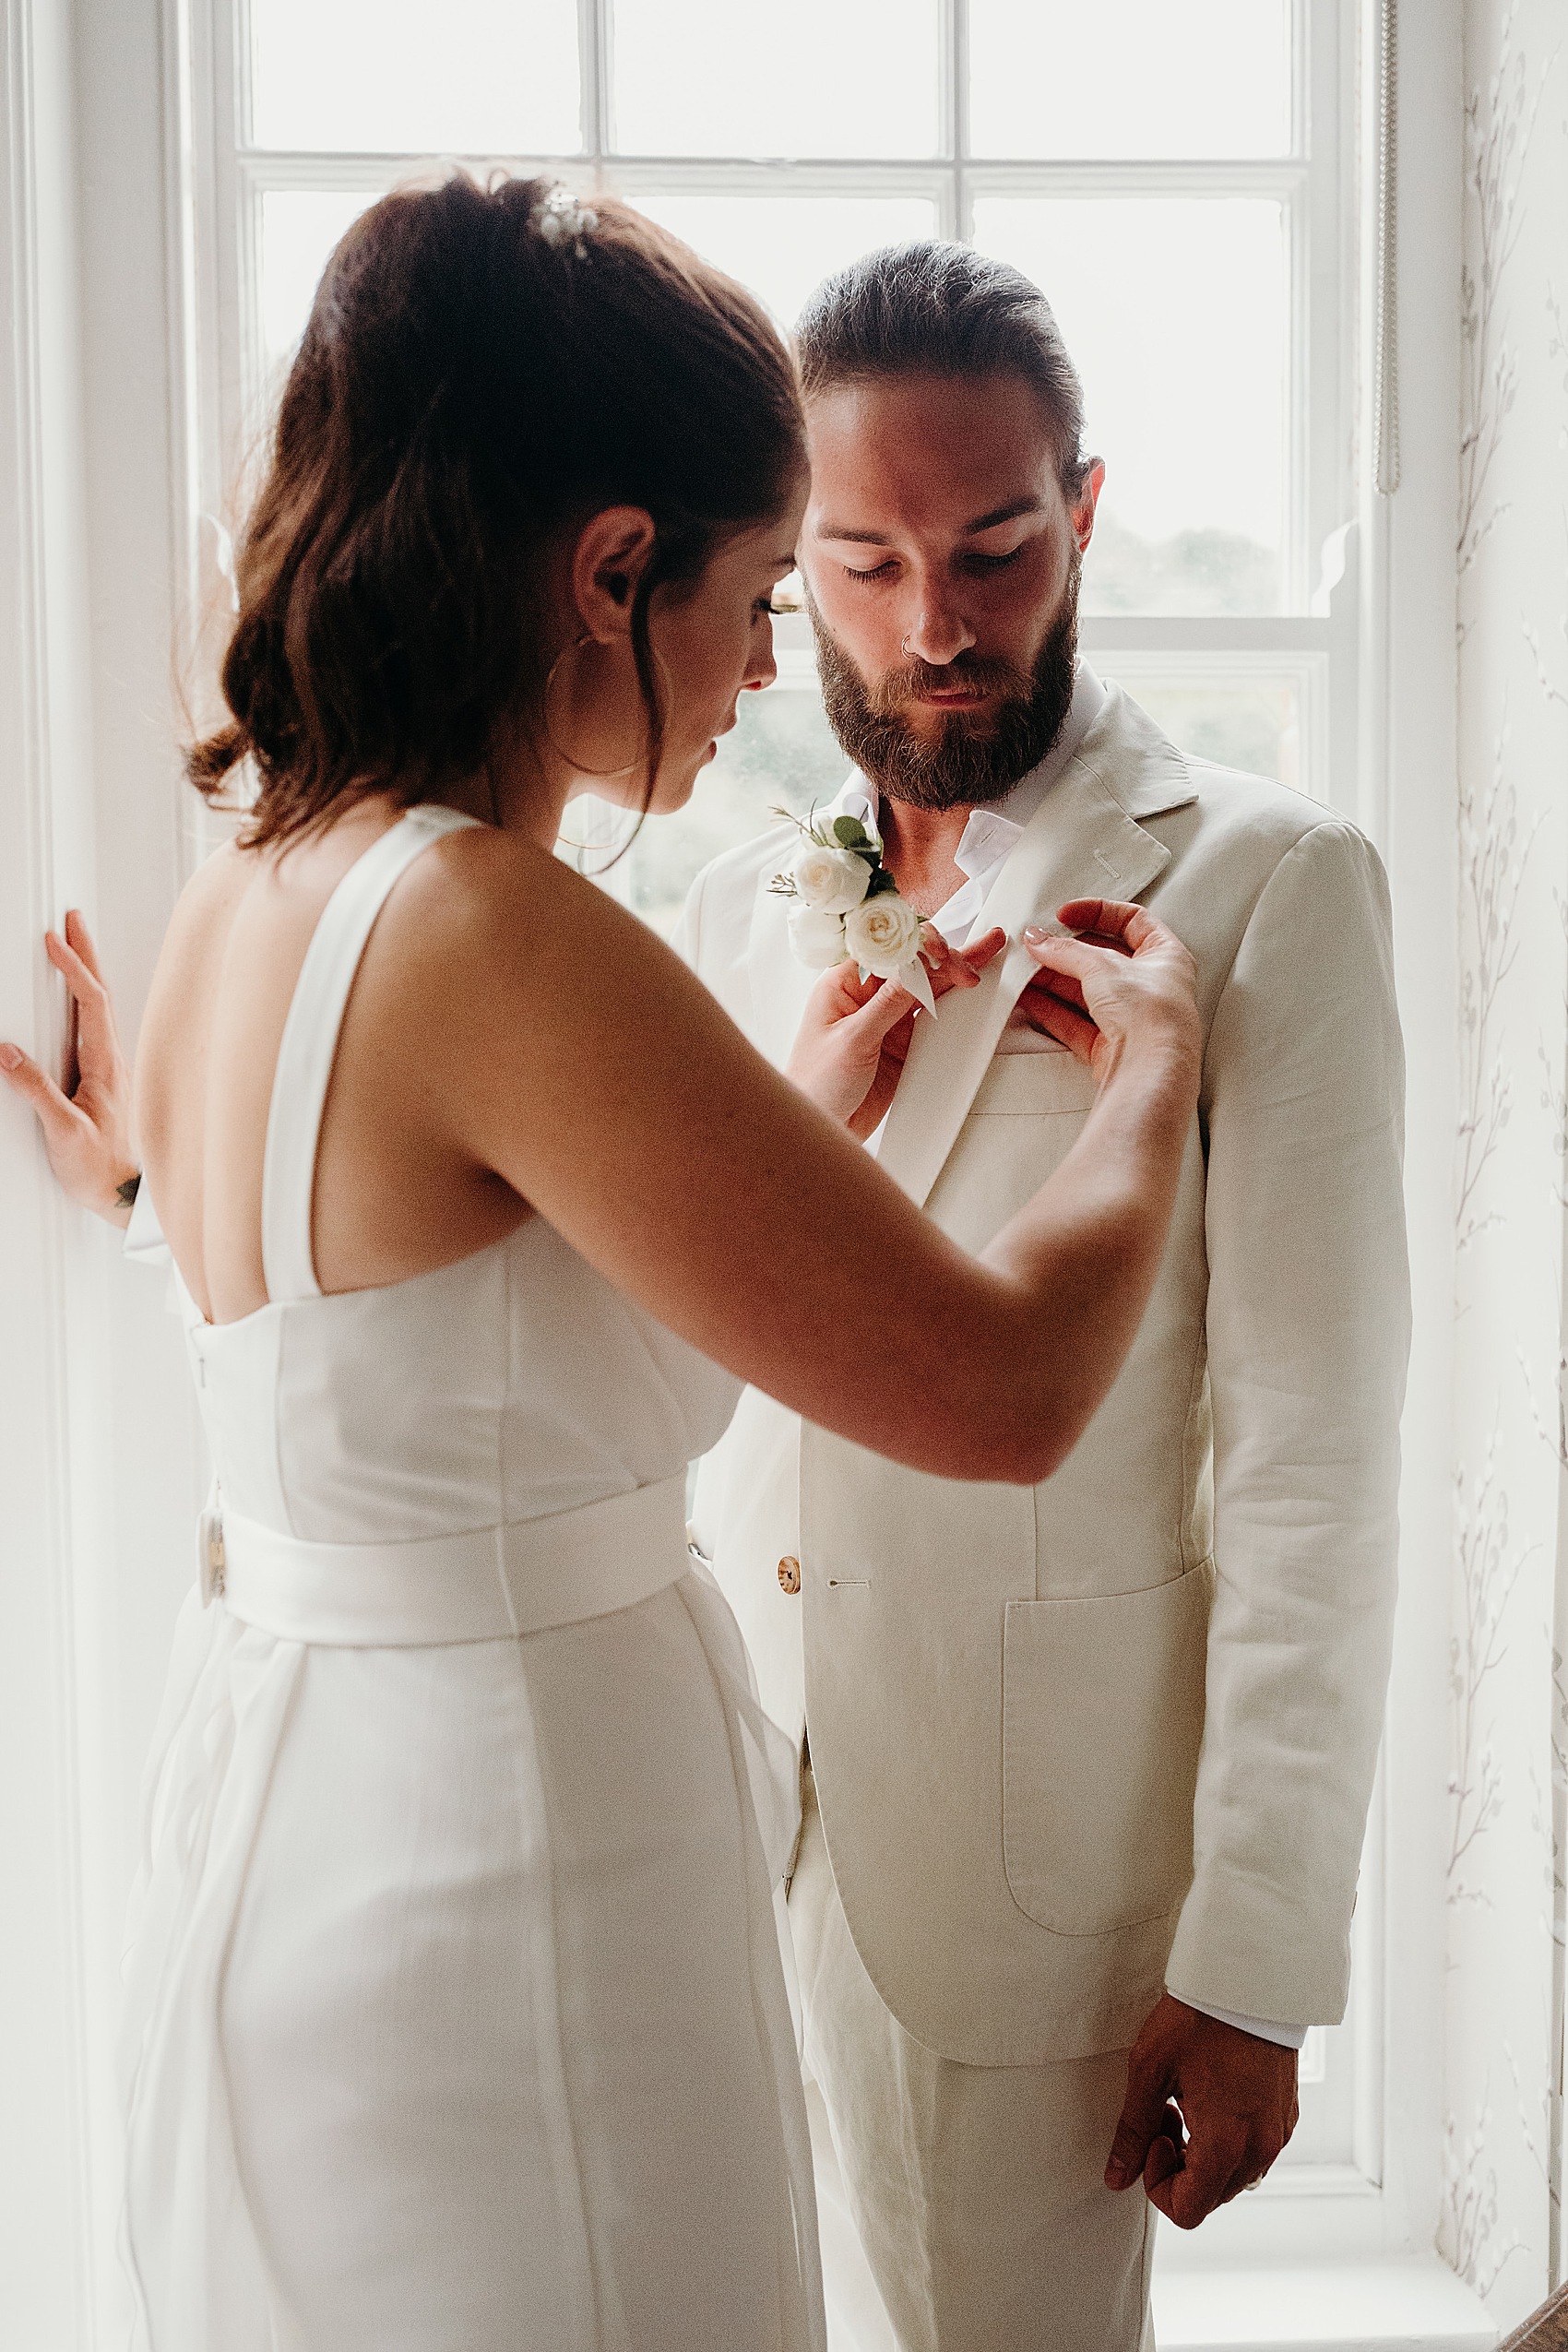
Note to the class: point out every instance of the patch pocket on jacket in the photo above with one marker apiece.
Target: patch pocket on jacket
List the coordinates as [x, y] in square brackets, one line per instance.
[1103, 1718]
[1033, 1086]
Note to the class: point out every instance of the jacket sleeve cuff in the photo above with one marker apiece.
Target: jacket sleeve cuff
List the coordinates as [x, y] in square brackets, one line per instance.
[1244, 1949]
[1267, 2029]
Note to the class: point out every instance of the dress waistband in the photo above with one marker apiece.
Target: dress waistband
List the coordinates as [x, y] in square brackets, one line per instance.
[487, 1584]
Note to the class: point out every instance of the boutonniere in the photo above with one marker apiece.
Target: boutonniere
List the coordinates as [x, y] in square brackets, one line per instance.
[847, 905]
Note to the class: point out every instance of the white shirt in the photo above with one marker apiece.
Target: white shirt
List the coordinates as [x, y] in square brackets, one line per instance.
[987, 840]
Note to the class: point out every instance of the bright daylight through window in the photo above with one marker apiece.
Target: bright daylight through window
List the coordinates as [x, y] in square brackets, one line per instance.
[1187, 236]
[1184, 220]
[1181, 235]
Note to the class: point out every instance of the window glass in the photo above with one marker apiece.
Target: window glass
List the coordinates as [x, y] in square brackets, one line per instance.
[1129, 77]
[1175, 310]
[854, 78]
[781, 246]
[782, 754]
[299, 228]
[1250, 720]
[398, 77]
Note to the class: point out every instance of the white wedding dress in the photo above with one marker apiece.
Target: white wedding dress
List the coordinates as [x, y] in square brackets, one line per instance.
[457, 2020]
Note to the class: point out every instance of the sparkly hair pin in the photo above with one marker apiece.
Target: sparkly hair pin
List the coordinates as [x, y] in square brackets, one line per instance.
[561, 220]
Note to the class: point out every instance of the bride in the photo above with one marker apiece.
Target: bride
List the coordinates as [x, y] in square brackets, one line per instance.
[456, 2016]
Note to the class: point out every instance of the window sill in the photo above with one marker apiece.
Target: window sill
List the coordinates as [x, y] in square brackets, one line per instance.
[1411, 2305]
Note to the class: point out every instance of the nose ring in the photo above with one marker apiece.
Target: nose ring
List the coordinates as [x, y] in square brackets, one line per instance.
[904, 646]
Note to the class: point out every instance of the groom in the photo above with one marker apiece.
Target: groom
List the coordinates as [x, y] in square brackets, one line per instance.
[1088, 1765]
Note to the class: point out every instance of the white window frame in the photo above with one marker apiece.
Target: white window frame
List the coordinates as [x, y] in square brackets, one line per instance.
[1311, 183]
[1306, 2212]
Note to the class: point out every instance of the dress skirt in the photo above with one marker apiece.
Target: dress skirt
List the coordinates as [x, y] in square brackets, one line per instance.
[456, 2019]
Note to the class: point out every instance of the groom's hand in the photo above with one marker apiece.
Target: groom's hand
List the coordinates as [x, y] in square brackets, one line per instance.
[1234, 2093]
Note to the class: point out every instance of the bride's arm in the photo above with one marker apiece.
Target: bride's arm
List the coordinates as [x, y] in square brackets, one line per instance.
[609, 1089]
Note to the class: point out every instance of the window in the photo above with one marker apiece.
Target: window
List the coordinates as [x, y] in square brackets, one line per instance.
[1190, 217]
[1185, 217]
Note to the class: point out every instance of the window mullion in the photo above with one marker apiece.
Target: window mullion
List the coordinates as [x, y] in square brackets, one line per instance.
[955, 60]
[1179, 633]
[593, 67]
[1135, 175]
[237, 67]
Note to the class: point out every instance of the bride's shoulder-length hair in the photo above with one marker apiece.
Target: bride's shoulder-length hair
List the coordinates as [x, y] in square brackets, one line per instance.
[482, 367]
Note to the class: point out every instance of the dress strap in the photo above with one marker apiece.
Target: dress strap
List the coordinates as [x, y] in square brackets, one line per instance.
[310, 1044]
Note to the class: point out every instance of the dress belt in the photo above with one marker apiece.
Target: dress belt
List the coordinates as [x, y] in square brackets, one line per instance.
[487, 1584]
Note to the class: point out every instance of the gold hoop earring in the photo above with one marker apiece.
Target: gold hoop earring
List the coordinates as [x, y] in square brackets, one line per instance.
[579, 767]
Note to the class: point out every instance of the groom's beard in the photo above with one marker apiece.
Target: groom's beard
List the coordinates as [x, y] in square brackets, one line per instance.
[977, 755]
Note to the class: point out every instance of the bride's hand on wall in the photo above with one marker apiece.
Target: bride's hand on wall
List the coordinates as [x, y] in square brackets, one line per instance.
[850, 1050]
[85, 1123]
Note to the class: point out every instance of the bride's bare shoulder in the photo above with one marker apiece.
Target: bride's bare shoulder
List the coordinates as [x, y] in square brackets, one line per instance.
[215, 883]
[503, 898]
[203, 909]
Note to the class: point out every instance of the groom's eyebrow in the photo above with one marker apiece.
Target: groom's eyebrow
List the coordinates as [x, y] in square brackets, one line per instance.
[1010, 513]
[1029, 504]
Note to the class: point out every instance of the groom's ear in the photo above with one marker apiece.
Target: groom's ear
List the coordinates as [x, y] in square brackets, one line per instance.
[613, 551]
[1081, 508]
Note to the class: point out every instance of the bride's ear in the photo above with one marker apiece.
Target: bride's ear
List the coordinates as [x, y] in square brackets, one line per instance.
[613, 551]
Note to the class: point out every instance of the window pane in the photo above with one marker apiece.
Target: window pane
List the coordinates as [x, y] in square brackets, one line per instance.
[782, 754]
[1052, 78]
[736, 77]
[1175, 310]
[780, 246]
[299, 228]
[398, 77]
[1252, 722]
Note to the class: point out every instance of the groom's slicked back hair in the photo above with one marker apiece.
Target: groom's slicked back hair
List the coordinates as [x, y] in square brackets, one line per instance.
[941, 309]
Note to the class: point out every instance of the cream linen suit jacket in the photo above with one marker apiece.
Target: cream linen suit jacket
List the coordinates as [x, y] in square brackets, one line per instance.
[1116, 1731]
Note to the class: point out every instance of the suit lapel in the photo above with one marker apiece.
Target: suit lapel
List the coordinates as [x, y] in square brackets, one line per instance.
[1081, 843]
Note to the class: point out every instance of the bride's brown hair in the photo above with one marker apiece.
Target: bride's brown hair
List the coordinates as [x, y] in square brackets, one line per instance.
[480, 369]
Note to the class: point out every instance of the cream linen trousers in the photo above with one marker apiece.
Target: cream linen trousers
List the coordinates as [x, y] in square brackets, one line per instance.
[977, 2192]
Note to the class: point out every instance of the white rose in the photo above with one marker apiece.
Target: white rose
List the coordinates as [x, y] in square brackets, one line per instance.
[882, 934]
[817, 938]
[833, 882]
